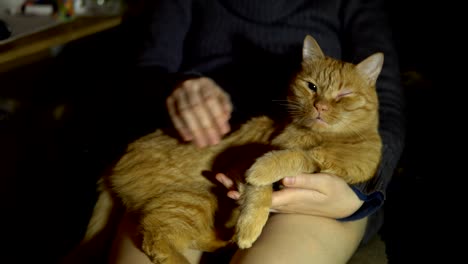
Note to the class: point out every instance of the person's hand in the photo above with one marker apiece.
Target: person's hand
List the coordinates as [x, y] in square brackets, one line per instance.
[317, 194]
[200, 111]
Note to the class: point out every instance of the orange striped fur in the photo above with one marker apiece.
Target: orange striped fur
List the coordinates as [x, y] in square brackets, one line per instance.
[169, 186]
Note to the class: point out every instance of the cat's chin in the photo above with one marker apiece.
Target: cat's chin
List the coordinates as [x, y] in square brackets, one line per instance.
[320, 126]
[314, 123]
[320, 122]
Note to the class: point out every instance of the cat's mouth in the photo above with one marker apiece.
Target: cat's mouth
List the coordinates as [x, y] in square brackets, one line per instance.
[314, 121]
[320, 120]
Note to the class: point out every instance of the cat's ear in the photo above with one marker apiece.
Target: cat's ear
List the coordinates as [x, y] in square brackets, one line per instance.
[311, 49]
[371, 66]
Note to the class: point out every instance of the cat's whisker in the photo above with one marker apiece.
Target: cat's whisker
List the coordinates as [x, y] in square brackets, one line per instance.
[349, 127]
[169, 184]
[296, 113]
[300, 111]
[288, 105]
[286, 102]
[294, 105]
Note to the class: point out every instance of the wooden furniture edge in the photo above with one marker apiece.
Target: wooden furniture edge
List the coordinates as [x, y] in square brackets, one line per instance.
[57, 35]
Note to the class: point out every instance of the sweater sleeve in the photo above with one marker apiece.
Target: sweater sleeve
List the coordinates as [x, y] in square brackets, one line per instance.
[158, 30]
[167, 23]
[366, 31]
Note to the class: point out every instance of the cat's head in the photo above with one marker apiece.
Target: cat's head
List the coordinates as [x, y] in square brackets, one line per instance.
[330, 95]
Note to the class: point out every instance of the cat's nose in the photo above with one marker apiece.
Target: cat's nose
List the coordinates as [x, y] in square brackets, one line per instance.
[321, 106]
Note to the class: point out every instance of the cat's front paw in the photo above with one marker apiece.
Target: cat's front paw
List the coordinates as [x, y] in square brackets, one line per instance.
[249, 227]
[265, 171]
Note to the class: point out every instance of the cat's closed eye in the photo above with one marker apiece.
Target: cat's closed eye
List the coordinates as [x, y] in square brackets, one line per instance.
[343, 94]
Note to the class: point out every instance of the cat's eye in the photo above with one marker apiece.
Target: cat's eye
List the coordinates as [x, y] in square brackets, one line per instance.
[343, 94]
[312, 86]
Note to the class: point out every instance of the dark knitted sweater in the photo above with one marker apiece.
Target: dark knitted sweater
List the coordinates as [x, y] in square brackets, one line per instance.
[249, 47]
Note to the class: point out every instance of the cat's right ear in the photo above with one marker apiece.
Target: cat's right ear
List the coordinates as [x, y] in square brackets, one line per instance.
[371, 67]
[311, 49]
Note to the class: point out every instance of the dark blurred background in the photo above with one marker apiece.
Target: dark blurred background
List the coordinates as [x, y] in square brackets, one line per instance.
[65, 118]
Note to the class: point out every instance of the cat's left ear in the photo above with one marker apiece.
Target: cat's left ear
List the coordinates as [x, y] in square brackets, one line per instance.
[371, 66]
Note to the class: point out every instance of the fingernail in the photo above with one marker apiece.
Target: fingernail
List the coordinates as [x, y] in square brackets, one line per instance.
[224, 128]
[200, 143]
[233, 195]
[219, 178]
[288, 181]
[214, 140]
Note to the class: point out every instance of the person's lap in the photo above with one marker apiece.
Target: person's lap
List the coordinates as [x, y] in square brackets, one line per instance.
[287, 238]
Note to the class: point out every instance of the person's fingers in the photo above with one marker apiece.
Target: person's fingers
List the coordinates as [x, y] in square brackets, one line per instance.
[317, 181]
[176, 120]
[225, 180]
[189, 118]
[288, 195]
[207, 122]
[200, 111]
[218, 115]
[203, 115]
[220, 106]
[233, 195]
[229, 184]
[282, 197]
[225, 101]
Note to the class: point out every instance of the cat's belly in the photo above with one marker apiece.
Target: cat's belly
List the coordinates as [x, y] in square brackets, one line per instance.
[159, 165]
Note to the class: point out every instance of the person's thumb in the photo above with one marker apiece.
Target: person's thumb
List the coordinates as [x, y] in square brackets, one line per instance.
[315, 181]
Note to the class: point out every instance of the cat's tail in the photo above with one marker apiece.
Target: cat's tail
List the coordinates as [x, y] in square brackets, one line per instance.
[96, 243]
[166, 244]
[162, 251]
[104, 211]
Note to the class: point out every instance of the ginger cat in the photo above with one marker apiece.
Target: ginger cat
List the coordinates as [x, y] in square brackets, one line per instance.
[168, 186]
